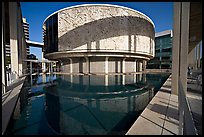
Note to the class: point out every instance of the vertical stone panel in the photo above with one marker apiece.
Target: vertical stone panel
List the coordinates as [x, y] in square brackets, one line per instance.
[129, 65]
[97, 65]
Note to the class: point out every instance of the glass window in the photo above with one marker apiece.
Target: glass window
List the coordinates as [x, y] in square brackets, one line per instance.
[51, 37]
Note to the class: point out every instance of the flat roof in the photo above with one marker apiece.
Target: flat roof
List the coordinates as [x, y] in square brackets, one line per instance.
[163, 33]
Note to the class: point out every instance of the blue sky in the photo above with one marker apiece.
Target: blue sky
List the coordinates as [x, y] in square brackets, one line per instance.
[161, 13]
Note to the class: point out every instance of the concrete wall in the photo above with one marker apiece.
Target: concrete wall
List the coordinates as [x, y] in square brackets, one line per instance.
[105, 28]
[22, 53]
[121, 34]
[17, 39]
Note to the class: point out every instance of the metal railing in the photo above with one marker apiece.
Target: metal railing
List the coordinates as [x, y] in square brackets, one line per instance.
[186, 123]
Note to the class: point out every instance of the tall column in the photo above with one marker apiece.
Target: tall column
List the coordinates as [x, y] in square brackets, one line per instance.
[106, 65]
[175, 48]
[13, 36]
[43, 63]
[144, 65]
[180, 46]
[181, 43]
[71, 68]
[123, 65]
[21, 43]
[140, 66]
[135, 66]
[3, 74]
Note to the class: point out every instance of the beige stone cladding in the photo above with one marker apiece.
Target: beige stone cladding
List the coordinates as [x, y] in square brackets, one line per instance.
[101, 38]
[105, 27]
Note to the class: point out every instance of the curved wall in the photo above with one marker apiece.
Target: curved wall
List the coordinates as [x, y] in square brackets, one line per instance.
[99, 30]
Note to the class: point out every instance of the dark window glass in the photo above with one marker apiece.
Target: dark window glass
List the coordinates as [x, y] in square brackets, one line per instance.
[7, 29]
[51, 38]
[50, 35]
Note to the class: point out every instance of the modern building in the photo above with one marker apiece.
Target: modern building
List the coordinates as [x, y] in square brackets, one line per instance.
[8, 49]
[26, 32]
[99, 38]
[13, 37]
[26, 28]
[163, 51]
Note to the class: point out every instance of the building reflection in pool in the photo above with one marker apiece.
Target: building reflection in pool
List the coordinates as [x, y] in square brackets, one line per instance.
[96, 104]
[89, 104]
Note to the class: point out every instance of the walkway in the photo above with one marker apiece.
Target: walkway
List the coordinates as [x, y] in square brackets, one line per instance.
[161, 116]
[9, 100]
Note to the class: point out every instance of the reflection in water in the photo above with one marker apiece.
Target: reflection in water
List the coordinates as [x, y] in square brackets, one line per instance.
[43, 78]
[90, 104]
[93, 111]
[54, 110]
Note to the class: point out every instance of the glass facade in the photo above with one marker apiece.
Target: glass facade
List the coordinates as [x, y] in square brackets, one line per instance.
[163, 53]
[51, 34]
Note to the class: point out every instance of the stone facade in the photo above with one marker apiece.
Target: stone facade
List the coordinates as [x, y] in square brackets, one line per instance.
[92, 30]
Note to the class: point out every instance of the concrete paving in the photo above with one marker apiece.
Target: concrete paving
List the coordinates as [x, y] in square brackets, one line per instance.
[9, 101]
[161, 116]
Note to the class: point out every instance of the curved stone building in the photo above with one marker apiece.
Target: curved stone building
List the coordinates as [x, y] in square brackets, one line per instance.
[99, 38]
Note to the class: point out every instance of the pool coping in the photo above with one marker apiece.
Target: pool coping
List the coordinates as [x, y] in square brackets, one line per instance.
[127, 73]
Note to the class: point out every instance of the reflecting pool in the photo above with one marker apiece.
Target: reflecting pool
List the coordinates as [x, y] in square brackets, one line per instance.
[82, 104]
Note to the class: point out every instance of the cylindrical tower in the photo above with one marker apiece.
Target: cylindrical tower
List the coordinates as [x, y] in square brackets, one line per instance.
[99, 38]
